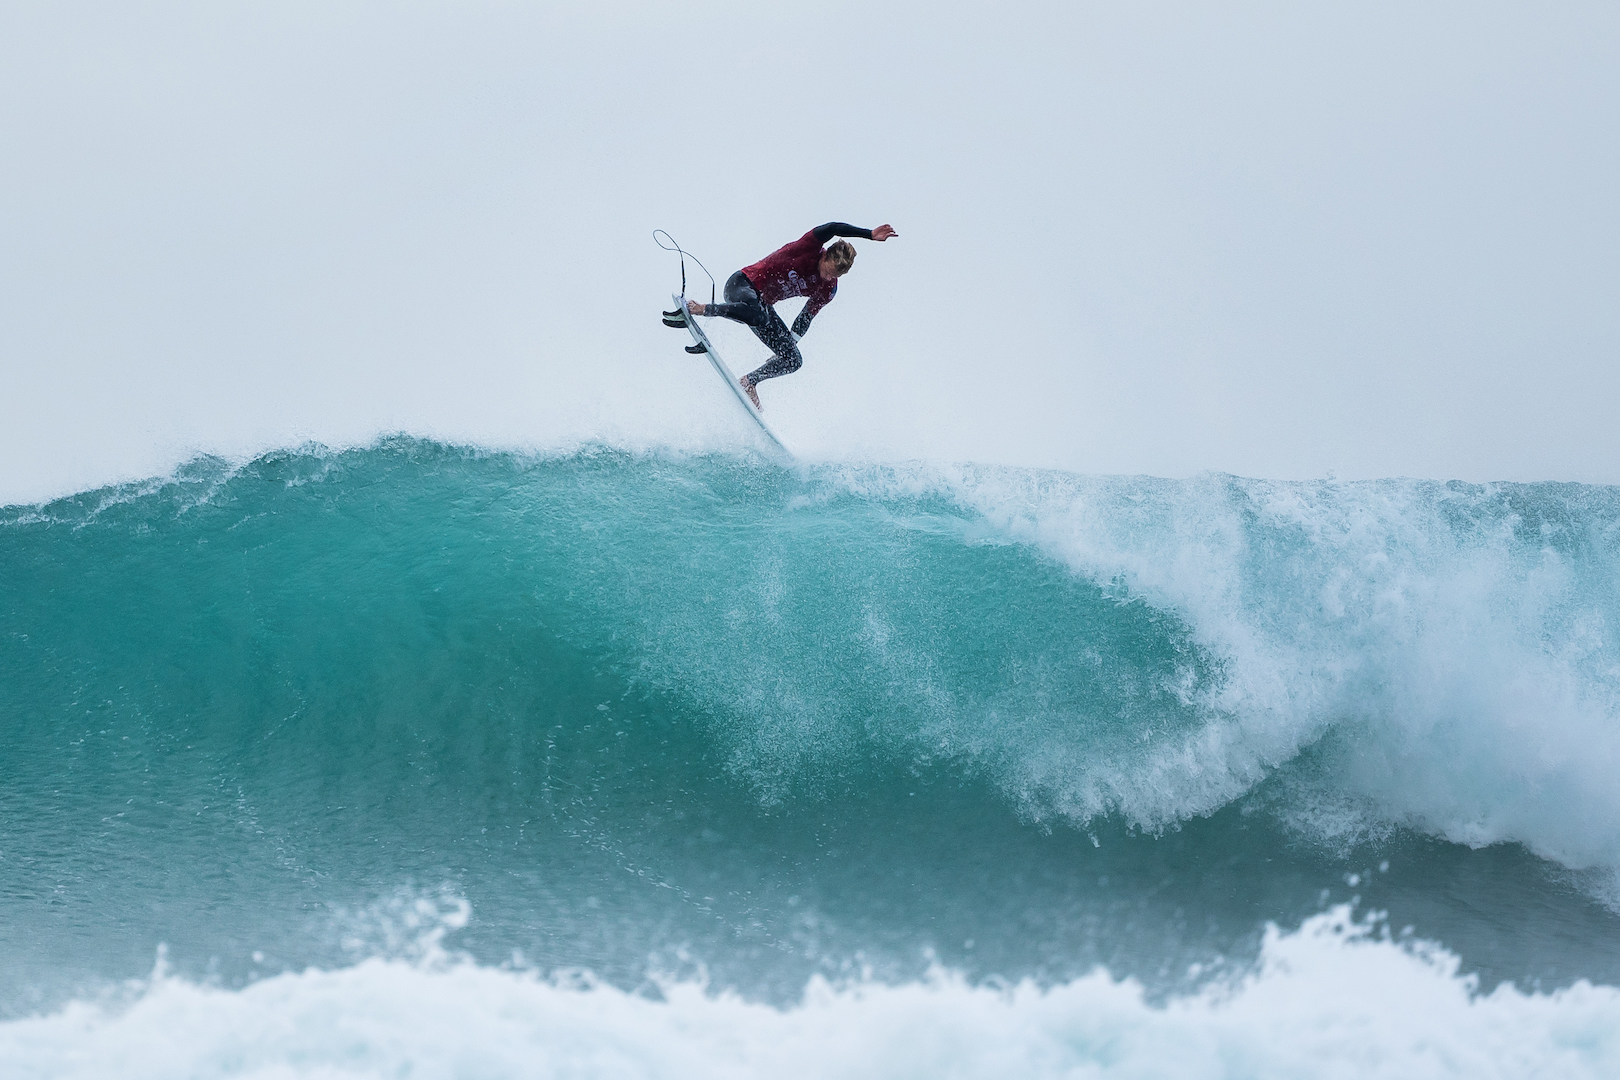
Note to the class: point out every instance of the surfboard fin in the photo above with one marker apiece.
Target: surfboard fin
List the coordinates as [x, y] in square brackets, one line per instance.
[695, 349]
[675, 318]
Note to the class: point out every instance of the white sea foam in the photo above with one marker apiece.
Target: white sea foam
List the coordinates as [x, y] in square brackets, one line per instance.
[1335, 999]
[1450, 660]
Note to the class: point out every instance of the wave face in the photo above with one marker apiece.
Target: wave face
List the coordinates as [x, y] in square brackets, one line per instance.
[708, 715]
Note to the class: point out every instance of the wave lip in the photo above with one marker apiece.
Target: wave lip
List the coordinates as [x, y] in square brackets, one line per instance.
[1443, 656]
[1336, 998]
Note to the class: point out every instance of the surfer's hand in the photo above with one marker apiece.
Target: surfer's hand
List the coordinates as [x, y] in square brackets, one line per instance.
[694, 307]
[883, 232]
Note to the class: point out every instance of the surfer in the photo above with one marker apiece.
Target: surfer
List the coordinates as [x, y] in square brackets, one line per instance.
[802, 268]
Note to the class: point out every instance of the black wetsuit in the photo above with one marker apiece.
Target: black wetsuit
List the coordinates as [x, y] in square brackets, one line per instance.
[784, 273]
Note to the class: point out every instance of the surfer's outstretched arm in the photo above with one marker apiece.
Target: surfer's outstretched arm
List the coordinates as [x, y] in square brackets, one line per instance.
[824, 233]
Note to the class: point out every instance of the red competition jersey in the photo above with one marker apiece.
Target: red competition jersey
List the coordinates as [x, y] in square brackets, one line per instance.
[793, 270]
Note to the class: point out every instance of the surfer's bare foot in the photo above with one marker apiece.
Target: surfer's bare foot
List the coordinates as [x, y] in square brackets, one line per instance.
[753, 395]
[694, 307]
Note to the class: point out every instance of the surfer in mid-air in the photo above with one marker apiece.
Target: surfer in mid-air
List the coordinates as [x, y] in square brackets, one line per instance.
[802, 268]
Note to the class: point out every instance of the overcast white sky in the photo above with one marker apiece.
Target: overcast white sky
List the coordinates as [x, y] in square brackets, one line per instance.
[1273, 239]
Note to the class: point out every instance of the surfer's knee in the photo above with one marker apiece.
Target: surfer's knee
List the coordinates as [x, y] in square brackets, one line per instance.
[788, 352]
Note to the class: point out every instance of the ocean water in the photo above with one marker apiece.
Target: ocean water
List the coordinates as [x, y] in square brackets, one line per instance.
[430, 761]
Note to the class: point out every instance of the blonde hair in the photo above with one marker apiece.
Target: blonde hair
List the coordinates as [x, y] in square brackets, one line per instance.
[842, 255]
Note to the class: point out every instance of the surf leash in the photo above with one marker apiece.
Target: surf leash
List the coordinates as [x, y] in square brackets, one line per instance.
[673, 246]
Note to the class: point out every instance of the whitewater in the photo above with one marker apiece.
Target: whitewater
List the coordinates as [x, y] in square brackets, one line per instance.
[436, 760]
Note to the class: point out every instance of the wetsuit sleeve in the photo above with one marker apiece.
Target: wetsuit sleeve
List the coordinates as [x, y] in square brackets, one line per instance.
[801, 325]
[814, 305]
[824, 233]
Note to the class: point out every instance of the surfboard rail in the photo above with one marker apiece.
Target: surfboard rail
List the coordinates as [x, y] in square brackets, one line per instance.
[725, 374]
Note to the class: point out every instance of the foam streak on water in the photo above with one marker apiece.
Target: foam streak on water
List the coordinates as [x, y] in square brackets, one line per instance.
[1329, 1001]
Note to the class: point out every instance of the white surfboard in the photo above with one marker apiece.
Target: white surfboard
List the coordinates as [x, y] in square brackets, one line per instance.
[731, 381]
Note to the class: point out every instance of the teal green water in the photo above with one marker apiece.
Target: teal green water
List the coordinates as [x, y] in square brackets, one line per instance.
[653, 713]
